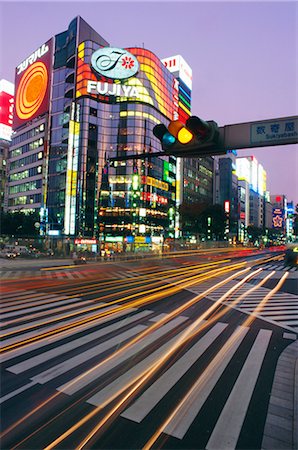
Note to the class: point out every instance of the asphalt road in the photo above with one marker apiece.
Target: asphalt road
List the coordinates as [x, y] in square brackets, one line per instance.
[176, 353]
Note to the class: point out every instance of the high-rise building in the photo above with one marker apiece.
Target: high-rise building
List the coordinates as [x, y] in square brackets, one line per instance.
[80, 102]
[226, 190]
[249, 170]
[6, 118]
[194, 176]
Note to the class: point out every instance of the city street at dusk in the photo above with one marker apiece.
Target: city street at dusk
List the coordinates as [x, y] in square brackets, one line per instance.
[180, 351]
[149, 225]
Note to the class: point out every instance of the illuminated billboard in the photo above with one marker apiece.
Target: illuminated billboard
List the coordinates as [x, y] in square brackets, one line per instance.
[183, 73]
[32, 82]
[243, 169]
[261, 182]
[151, 85]
[179, 67]
[278, 217]
[6, 109]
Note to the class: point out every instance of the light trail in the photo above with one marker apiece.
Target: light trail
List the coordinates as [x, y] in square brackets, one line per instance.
[152, 328]
[212, 366]
[144, 378]
[143, 278]
[169, 289]
[115, 410]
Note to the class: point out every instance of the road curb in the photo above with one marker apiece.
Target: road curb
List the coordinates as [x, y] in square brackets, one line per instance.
[281, 427]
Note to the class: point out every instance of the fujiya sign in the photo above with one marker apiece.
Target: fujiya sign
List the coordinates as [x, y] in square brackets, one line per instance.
[115, 63]
[32, 58]
[119, 90]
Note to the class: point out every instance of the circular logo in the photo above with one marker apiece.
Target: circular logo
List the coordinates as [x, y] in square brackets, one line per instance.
[115, 63]
[31, 90]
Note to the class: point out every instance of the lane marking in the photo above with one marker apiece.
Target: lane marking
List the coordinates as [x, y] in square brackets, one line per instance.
[228, 427]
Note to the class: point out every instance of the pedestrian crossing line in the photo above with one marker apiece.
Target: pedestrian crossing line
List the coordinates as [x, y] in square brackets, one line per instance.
[68, 333]
[39, 323]
[75, 361]
[228, 427]
[17, 301]
[59, 275]
[290, 309]
[108, 344]
[21, 292]
[64, 348]
[291, 323]
[62, 323]
[16, 392]
[53, 300]
[102, 368]
[110, 392]
[187, 410]
[152, 396]
[65, 309]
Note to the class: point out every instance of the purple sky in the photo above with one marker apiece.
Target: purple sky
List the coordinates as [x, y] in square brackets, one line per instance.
[243, 56]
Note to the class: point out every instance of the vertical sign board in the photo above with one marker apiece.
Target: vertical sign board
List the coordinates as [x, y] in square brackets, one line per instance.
[6, 109]
[32, 83]
[278, 216]
[274, 132]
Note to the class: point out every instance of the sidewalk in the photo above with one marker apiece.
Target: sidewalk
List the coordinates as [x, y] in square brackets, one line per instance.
[281, 428]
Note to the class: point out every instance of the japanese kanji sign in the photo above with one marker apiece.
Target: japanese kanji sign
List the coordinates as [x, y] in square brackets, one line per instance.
[277, 130]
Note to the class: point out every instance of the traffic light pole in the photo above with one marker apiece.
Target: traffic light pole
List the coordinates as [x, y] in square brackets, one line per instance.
[261, 133]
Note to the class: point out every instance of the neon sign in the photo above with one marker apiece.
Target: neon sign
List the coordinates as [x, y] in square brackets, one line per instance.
[119, 90]
[114, 63]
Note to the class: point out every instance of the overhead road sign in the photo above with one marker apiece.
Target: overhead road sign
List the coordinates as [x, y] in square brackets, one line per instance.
[264, 133]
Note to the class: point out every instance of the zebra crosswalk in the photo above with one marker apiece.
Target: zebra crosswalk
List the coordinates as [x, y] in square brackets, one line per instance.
[280, 267]
[176, 371]
[281, 308]
[61, 274]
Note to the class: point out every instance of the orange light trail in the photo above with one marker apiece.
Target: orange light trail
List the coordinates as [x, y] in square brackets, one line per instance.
[152, 328]
[155, 295]
[214, 363]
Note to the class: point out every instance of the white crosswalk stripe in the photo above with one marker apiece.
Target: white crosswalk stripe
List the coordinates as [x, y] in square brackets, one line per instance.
[224, 435]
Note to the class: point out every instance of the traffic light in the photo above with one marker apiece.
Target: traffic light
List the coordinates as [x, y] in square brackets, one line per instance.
[195, 138]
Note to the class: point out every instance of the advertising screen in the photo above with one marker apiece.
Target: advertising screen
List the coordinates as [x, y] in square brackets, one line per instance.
[6, 109]
[254, 174]
[152, 84]
[32, 83]
[243, 169]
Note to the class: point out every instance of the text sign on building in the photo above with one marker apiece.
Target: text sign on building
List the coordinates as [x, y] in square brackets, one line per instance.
[275, 131]
[82, 241]
[32, 82]
[115, 63]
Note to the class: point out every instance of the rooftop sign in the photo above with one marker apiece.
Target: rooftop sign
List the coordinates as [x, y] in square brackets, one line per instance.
[115, 63]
